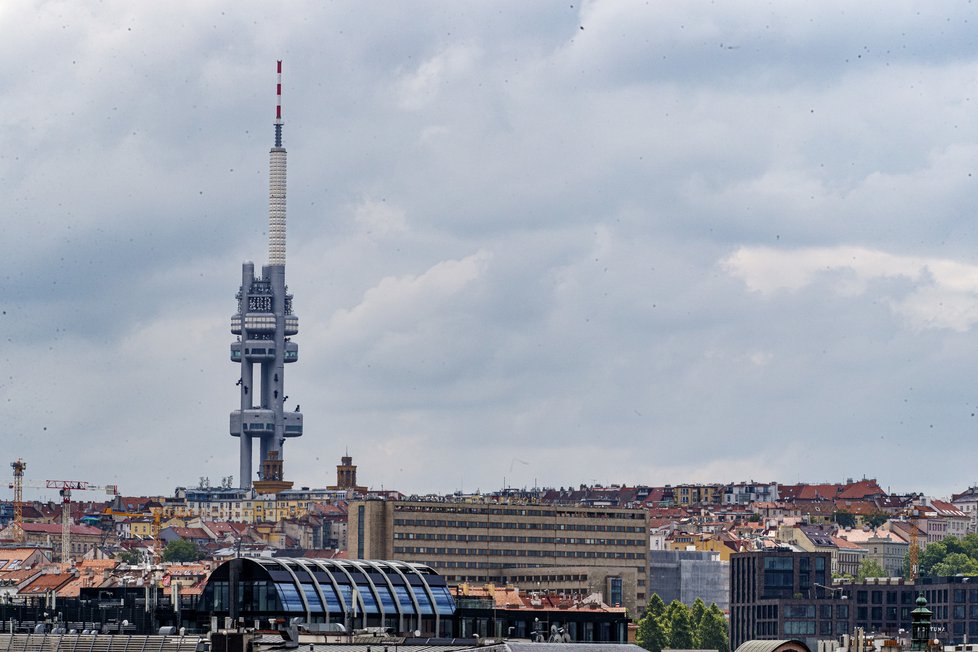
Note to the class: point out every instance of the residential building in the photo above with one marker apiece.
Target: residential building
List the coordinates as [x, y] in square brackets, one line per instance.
[967, 502]
[48, 535]
[848, 557]
[745, 493]
[882, 545]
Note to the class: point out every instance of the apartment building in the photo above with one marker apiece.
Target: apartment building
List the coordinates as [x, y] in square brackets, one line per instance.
[564, 549]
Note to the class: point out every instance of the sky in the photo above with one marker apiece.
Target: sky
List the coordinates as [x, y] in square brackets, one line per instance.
[530, 243]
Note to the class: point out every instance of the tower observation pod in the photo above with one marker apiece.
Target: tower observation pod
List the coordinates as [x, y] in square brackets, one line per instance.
[264, 324]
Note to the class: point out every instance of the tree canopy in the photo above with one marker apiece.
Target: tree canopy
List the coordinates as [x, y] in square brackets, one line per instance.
[677, 626]
[181, 550]
[870, 568]
[952, 556]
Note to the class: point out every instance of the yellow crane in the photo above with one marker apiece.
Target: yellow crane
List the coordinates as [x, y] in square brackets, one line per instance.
[913, 554]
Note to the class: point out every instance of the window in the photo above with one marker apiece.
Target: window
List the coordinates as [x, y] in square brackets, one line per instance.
[289, 596]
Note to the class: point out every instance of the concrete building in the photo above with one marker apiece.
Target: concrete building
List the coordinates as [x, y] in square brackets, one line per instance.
[686, 575]
[573, 550]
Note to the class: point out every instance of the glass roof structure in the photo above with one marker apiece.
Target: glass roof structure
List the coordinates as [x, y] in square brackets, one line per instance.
[354, 593]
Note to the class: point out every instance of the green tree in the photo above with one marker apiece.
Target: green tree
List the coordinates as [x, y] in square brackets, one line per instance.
[712, 631]
[932, 555]
[656, 606]
[696, 613]
[870, 568]
[651, 633]
[681, 634]
[844, 519]
[181, 550]
[956, 563]
[131, 557]
[877, 519]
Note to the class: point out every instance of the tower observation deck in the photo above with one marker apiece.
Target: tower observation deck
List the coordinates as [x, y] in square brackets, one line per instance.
[264, 324]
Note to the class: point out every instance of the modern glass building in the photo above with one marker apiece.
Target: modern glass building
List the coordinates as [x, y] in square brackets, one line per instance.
[354, 593]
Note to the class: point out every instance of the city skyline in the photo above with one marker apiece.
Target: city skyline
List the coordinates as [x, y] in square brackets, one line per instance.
[550, 244]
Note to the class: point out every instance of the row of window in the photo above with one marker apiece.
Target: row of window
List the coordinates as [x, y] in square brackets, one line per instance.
[455, 508]
[519, 525]
[441, 536]
[497, 552]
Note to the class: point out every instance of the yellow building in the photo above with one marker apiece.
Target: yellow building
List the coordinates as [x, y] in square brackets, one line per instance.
[701, 542]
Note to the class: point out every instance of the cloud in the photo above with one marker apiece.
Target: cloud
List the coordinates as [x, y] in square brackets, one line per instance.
[940, 293]
[504, 235]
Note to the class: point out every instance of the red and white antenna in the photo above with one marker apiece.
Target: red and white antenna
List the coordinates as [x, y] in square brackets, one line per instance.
[276, 186]
[278, 108]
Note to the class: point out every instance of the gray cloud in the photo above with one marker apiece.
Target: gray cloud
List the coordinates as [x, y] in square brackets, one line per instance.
[684, 243]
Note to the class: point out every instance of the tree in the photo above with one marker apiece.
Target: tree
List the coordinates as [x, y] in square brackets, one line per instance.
[712, 630]
[651, 633]
[696, 613]
[933, 554]
[956, 563]
[870, 568]
[656, 606]
[844, 519]
[181, 550]
[681, 634]
[131, 557]
[876, 519]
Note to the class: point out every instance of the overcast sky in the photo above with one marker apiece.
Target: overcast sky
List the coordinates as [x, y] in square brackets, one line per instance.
[541, 243]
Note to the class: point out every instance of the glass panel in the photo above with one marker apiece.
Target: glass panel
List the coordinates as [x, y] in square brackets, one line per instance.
[346, 591]
[369, 603]
[443, 600]
[404, 600]
[332, 600]
[315, 606]
[423, 601]
[289, 596]
[386, 599]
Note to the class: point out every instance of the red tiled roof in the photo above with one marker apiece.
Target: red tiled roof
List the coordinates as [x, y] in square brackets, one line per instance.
[54, 528]
[47, 582]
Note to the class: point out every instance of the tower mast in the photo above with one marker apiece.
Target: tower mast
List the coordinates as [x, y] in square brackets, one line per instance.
[264, 323]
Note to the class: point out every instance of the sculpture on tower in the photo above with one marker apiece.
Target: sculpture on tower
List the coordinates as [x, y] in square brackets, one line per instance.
[264, 324]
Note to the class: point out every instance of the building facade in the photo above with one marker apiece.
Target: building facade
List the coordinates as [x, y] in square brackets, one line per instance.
[687, 575]
[535, 547]
[780, 595]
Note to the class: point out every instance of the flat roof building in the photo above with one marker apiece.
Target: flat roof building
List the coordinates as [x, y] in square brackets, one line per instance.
[573, 550]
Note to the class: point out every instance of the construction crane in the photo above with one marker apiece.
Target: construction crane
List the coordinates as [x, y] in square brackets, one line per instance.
[18, 486]
[913, 554]
[65, 487]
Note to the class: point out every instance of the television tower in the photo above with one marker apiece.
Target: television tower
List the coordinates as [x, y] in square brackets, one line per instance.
[264, 323]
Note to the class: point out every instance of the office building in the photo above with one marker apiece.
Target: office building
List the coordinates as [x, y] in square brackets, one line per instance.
[571, 550]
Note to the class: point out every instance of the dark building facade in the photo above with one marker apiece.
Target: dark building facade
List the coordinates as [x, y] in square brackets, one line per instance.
[781, 594]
